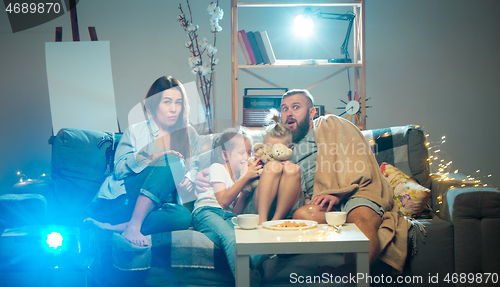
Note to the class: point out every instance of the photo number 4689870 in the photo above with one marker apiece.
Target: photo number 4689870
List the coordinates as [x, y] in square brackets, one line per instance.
[33, 8]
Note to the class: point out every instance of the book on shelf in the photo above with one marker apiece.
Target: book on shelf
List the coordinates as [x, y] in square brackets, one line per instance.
[247, 46]
[243, 49]
[262, 48]
[255, 48]
[269, 48]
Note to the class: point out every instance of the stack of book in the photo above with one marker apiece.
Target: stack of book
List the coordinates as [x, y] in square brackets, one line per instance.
[256, 47]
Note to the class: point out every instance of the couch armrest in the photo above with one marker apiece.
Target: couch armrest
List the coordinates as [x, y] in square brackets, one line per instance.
[442, 185]
[22, 209]
[476, 220]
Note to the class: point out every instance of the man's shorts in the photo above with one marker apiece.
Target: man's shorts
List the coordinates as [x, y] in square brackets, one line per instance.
[353, 202]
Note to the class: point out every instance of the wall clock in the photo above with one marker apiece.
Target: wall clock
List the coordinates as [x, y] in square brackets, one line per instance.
[352, 107]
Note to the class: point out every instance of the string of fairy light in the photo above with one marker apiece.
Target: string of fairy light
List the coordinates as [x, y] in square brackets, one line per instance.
[24, 179]
[443, 167]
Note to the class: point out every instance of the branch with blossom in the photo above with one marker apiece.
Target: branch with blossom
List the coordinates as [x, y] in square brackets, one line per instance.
[201, 66]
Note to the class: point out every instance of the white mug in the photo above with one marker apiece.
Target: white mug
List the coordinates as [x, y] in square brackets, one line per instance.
[246, 221]
[336, 217]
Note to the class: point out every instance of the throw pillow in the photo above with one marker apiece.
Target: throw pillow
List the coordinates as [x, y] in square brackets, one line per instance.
[409, 195]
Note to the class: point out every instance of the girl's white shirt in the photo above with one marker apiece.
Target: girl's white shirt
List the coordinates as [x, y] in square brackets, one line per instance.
[217, 173]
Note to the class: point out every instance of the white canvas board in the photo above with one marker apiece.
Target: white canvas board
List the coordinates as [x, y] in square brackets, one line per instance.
[81, 85]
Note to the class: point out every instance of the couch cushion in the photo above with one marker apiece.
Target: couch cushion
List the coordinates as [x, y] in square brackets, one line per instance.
[403, 147]
[409, 195]
[80, 161]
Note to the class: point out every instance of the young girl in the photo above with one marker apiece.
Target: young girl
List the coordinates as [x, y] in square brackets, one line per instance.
[279, 191]
[228, 175]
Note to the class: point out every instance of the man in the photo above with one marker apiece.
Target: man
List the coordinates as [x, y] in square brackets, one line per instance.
[297, 111]
[339, 172]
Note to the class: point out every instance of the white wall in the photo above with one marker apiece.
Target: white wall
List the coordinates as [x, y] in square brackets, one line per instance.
[431, 63]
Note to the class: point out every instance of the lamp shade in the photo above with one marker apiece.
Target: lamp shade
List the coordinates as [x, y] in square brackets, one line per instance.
[303, 25]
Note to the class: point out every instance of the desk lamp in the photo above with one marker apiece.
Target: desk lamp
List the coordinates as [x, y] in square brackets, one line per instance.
[303, 23]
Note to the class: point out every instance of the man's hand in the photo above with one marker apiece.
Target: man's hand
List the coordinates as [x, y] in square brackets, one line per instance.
[326, 201]
[201, 181]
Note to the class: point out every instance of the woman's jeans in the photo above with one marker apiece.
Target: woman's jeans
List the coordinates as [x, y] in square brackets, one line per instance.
[216, 224]
[158, 182]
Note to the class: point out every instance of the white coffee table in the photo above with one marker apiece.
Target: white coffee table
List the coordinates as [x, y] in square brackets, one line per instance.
[322, 239]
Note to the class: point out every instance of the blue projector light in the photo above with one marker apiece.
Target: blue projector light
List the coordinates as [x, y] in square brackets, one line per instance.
[54, 240]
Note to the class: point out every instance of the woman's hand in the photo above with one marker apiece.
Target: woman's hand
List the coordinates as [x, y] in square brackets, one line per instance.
[251, 170]
[186, 184]
[157, 155]
[185, 190]
[201, 182]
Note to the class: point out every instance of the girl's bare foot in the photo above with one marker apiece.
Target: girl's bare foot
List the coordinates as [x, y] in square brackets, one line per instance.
[134, 235]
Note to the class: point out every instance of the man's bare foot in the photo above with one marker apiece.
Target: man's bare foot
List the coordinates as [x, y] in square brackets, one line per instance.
[134, 235]
[342, 270]
[96, 224]
[272, 266]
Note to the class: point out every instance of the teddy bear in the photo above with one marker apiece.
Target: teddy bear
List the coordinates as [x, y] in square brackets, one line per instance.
[266, 153]
[281, 152]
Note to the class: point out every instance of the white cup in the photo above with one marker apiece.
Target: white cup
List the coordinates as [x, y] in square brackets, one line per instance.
[246, 221]
[336, 217]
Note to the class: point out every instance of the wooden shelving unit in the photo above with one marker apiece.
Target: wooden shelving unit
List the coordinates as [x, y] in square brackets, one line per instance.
[357, 60]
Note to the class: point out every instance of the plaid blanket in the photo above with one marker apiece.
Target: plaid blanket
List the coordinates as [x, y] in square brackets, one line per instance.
[390, 145]
[403, 147]
[181, 249]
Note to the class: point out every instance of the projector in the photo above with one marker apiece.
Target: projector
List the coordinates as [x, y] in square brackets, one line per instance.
[44, 256]
[40, 241]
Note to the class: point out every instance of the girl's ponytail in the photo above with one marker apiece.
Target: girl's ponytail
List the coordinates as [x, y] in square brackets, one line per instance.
[277, 130]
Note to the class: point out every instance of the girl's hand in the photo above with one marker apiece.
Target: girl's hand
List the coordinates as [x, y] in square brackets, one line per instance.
[252, 170]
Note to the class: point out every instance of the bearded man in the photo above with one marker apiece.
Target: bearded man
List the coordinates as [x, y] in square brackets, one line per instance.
[339, 172]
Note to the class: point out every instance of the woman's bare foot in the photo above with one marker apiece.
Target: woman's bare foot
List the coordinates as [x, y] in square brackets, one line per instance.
[96, 224]
[134, 235]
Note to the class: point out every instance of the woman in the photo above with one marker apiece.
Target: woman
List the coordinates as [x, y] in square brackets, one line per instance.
[141, 195]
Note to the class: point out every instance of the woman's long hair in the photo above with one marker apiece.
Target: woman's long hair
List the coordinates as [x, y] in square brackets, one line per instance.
[178, 131]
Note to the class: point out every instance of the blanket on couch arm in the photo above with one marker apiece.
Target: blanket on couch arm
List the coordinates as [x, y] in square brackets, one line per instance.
[182, 249]
[343, 148]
